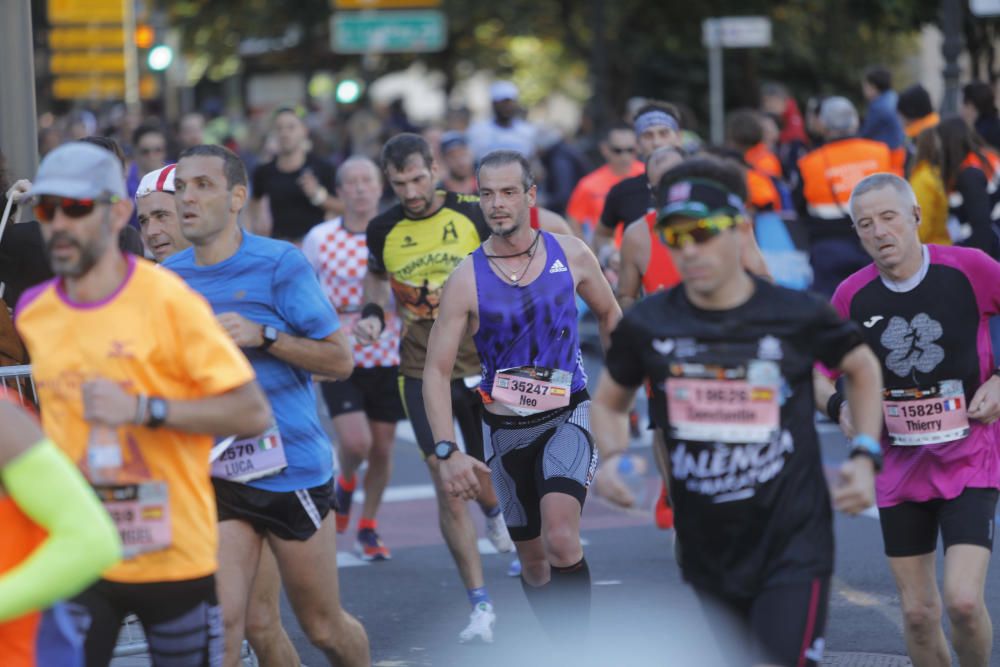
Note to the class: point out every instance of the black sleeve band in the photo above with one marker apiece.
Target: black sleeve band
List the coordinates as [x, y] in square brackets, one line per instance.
[373, 309]
[834, 405]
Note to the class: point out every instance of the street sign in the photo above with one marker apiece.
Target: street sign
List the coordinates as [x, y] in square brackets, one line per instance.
[736, 32]
[87, 37]
[388, 31]
[86, 11]
[67, 62]
[99, 87]
[985, 7]
[384, 4]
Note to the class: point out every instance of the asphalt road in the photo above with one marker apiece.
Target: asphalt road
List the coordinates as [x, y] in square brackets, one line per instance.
[414, 606]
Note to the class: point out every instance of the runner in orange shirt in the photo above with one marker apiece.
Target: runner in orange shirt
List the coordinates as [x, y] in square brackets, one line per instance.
[134, 374]
[619, 150]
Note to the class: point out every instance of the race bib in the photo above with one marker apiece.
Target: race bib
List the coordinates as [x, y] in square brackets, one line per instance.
[915, 417]
[716, 404]
[141, 511]
[251, 458]
[529, 390]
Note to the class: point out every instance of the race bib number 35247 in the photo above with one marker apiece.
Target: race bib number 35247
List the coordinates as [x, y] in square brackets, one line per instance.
[725, 407]
[529, 390]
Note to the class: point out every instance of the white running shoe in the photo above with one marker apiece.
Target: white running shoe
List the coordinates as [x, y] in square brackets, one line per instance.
[481, 623]
[496, 532]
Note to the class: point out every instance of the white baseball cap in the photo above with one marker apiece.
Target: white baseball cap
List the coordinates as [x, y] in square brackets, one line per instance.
[161, 180]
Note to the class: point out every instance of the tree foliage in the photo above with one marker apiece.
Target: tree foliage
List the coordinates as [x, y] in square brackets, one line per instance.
[650, 48]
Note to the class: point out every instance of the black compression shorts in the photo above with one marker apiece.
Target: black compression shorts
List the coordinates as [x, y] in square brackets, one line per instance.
[782, 625]
[182, 620]
[551, 452]
[911, 529]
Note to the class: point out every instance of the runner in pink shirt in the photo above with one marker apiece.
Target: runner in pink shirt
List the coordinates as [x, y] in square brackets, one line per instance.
[924, 310]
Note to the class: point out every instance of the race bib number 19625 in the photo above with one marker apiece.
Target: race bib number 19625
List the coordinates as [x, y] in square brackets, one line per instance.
[716, 404]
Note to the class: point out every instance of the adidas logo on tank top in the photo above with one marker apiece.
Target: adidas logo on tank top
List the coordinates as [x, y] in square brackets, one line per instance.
[557, 267]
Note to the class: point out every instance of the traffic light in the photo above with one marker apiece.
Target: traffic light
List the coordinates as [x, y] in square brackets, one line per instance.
[348, 91]
[144, 36]
[160, 57]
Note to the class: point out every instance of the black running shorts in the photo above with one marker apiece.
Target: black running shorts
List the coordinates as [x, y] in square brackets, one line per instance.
[466, 405]
[288, 515]
[372, 390]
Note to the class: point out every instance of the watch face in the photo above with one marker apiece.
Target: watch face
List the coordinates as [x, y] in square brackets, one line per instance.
[270, 333]
[158, 409]
[442, 450]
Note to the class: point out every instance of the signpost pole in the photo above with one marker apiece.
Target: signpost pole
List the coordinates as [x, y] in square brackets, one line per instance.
[132, 101]
[18, 132]
[728, 32]
[716, 90]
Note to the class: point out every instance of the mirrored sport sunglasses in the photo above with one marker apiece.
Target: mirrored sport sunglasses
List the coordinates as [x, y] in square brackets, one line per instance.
[46, 205]
[696, 231]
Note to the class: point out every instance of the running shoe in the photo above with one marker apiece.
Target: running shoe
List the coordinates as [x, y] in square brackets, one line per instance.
[496, 532]
[370, 547]
[481, 623]
[663, 512]
[343, 512]
[514, 569]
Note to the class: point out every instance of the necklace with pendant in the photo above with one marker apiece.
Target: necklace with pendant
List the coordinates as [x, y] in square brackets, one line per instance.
[515, 277]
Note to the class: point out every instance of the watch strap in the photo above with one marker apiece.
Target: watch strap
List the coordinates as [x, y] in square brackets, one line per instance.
[452, 448]
[157, 412]
[268, 339]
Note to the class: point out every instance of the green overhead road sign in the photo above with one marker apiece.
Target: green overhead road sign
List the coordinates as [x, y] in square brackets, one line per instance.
[419, 31]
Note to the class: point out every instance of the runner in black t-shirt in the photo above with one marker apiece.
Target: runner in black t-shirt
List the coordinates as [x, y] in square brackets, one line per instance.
[298, 185]
[656, 125]
[729, 358]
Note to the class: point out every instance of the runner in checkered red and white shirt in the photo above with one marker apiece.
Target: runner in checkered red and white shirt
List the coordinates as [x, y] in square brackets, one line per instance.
[365, 407]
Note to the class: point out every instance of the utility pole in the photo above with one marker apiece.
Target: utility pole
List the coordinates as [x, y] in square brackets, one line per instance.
[18, 130]
[599, 66]
[951, 48]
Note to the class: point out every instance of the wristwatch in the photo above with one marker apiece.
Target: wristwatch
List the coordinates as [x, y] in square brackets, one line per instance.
[157, 412]
[444, 448]
[865, 445]
[270, 335]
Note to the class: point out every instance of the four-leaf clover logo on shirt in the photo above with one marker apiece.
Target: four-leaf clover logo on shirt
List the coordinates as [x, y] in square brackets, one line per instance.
[911, 344]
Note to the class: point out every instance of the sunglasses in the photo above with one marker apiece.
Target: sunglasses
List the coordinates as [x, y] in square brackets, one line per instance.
[697, 231]
[617, 150]
[46, 206]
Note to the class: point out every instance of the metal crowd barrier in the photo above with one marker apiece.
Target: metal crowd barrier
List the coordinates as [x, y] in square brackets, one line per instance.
[17, 381]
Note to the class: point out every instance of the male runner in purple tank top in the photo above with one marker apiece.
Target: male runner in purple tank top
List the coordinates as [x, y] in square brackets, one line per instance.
[924, 311]
[516, 293]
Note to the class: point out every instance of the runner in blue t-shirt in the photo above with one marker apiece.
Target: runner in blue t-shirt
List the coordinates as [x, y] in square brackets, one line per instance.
[276, 485]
